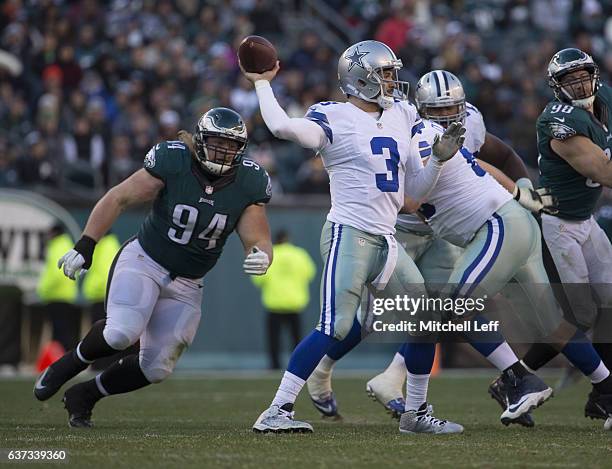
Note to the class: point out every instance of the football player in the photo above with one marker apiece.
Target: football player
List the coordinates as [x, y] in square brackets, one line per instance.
[482, 265]
[202, 189]
[575, 141]
[364, 143]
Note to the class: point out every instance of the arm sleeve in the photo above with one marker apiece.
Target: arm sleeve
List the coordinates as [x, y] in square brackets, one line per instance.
[302, 131]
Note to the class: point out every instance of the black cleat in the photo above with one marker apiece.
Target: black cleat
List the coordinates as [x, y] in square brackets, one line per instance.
[79, 406]
[598, 406]
[523, 394]
[56, 375]
[497, 391]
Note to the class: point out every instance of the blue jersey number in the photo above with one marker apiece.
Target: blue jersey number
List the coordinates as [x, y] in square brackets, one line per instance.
[378, 144]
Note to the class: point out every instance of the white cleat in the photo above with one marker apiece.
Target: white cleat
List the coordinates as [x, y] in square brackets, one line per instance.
[608, 424]
[422, 421]
[277, 420]
[387, 389]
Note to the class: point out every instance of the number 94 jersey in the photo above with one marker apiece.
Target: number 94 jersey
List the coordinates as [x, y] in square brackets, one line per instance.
[366, 159]
[191, 218]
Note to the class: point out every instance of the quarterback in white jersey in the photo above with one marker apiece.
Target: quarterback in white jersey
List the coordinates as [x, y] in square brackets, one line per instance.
[365, 146]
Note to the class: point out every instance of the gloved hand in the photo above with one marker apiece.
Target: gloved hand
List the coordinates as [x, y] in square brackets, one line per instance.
[537, 201]
[257, 262]
[76, 261]
[445, 147]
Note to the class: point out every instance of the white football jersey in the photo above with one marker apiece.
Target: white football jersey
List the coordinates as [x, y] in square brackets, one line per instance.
[367, 160]
[475, 132]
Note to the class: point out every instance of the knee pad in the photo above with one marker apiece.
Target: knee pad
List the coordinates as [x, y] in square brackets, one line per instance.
[117, 339]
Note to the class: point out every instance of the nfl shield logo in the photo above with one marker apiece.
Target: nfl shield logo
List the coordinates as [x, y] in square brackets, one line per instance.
[209, 190]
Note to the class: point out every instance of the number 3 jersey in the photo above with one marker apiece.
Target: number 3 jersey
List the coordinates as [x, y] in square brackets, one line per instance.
[576, 194]
[465, 195]
[366, 159]
[192, 216]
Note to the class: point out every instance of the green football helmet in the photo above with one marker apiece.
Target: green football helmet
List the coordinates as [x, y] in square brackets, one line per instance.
[223, 123]
[573, 91]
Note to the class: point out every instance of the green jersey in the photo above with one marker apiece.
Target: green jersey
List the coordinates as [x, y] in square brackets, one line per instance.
[193, 214]
[577, 195]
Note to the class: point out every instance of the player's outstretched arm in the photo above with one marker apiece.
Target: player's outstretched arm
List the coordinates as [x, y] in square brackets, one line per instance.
[254, 233]
[501, 155]
[585, 157]
[302, 131]
[140, 187]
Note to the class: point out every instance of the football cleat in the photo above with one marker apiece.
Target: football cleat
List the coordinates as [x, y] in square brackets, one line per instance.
[422, 421]
[79, 406]
[321, 394]
[599, 406]
[388, 391]
[523, 395]
[55, 376]
[497, 391]
[277, 420]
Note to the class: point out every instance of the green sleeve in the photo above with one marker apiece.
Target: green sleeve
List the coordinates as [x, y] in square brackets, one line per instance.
[262, 187]
[562, 121]
[164, 159]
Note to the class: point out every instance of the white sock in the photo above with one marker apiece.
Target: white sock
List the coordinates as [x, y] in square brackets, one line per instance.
[416, 390]
[326, 364]
[502, 357]
[600, 373]
[288, 390]
[397, 367]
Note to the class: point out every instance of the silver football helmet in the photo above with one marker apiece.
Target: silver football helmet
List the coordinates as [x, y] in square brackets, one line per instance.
[573, 91]
[440, 89]
[360, 73]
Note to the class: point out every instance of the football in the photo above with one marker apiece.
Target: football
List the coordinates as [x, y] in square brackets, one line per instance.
[257, 54]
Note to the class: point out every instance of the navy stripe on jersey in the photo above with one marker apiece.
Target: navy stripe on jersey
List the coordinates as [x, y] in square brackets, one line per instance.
[321, 119]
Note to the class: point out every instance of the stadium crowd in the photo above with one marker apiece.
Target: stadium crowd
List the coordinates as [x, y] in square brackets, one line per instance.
[86, 88]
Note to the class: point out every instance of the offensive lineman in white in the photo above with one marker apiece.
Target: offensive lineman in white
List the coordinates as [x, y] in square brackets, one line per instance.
[364, 143]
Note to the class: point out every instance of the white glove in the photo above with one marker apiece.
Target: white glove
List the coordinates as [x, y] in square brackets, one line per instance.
[257, 262]
[73, 263]
[537, 201]
[445, 147]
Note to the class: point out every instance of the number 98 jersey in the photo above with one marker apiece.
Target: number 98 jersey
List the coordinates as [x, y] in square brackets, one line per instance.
[577, 195]
[192, 217]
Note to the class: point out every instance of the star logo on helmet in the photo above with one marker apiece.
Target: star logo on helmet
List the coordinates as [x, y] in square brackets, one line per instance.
[355, 58]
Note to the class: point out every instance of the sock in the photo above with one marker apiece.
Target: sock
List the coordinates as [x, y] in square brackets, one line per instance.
[604, 350]
[94, 346]
[539, 355]
[419, 357]
[69, 365]
[503, 357]
[580, 352]
[123, 376]
[402, 350]
[288, 391]
[492, 339]
[344, 346]
[326, 364]
[303, 361]
[518, 369]
[416, 390]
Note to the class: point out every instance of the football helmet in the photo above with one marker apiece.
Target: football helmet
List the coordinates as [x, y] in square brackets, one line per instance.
[224, 123]
[573, 91]
[360, 73]
[440, 89]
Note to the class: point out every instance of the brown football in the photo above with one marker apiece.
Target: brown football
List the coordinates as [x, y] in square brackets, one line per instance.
[257, 54]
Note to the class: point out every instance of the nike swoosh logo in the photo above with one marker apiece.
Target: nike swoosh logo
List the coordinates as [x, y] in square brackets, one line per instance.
[39, 381]
[324, 408]
[512, 408]
[560, 119]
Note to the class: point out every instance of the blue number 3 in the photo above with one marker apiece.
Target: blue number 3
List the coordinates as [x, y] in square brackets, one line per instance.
[378, 144]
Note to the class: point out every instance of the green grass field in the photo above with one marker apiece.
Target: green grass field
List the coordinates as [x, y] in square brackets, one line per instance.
[206, 422]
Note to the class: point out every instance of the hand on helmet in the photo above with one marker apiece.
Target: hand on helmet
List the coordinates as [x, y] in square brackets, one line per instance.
[445, 147]
[268, 76]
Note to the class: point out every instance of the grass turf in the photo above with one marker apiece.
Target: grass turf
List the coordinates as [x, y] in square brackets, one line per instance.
[206, 422]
